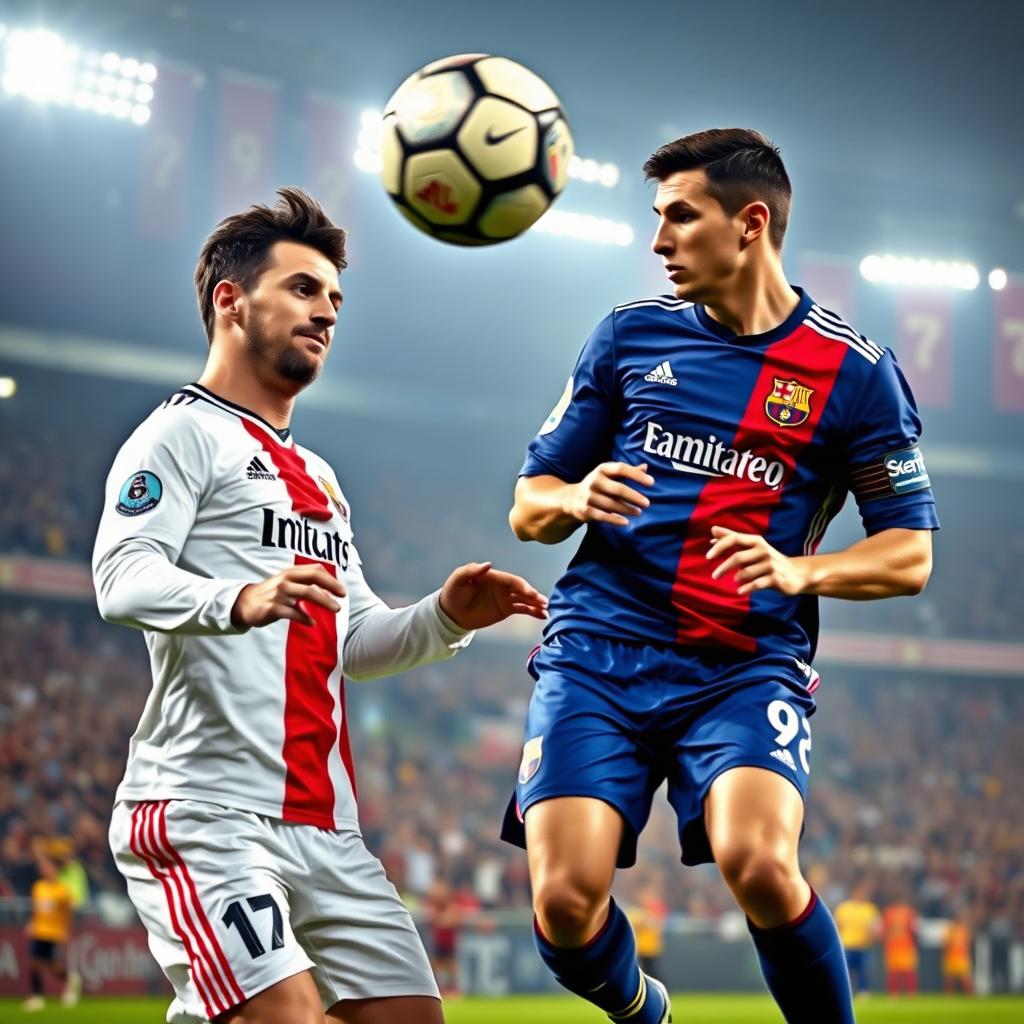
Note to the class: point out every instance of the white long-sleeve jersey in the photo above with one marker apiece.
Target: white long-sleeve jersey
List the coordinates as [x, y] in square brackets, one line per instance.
[204, 498]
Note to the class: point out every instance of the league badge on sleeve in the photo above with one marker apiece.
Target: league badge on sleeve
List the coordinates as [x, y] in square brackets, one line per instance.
[531, 759]
[141, 493]
[559, 410]
[789, 404]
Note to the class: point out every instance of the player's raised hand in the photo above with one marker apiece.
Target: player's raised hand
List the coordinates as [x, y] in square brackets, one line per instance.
[601, 497]
[282, 596]
[477, 595]
[755, 563]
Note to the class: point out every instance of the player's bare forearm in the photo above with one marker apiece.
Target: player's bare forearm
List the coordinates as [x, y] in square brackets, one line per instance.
[891, 563]
[548, 509]
[539, 512]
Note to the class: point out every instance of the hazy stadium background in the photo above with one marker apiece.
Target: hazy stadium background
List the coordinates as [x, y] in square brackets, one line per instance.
[899, 124]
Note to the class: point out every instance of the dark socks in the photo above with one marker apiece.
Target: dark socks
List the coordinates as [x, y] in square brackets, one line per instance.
[805, 968]
[605, 971]
[37, 982]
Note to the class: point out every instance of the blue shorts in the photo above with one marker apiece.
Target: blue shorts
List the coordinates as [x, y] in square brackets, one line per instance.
[858, 963]
[613, 719]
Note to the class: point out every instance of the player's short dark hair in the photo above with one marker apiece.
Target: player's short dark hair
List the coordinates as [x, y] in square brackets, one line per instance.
[238, 250]
[741, 165]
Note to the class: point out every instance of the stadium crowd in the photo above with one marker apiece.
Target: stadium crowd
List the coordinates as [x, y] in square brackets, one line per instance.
[914, 784]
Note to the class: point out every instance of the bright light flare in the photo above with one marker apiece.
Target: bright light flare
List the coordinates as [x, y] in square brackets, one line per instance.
[998, 279]
[919, 273]
[41, 66]
[585, 227]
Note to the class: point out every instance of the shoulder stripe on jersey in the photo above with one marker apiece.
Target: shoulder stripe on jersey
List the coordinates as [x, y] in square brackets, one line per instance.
[836, 323]
[827, 316]
[179, 398]
[857, 344]
[665, 303]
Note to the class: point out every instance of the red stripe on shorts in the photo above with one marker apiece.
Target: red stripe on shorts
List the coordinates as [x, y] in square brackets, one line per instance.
[234, 989]
[311, 655]
[710, 611]
[200, 979]
[204, 953]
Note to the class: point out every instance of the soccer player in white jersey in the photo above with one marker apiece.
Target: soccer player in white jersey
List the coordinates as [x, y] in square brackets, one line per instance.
[231, 547]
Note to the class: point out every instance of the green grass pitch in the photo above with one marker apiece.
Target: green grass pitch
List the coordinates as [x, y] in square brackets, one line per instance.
[698, 1009]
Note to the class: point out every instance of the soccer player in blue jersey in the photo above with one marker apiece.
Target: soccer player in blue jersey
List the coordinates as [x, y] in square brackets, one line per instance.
[705, 441]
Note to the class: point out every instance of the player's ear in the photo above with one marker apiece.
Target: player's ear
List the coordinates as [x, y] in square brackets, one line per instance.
[226, 297]
[754, 220]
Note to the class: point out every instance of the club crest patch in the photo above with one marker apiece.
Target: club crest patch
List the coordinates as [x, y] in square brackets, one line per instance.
[532, 754]
[335, 497]
[789, 404]
[141, 492]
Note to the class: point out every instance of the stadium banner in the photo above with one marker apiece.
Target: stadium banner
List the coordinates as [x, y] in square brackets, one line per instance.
[46, 577]
[163, 195]
[924, 344]
[111, 961]
[332, 137]
[245, 142]
[830, 281]
[1009, 356]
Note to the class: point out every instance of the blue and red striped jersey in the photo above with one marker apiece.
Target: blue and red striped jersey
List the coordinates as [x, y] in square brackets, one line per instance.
[763, 434]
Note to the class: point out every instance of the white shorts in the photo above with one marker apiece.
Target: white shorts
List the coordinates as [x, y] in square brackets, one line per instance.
[235, 902]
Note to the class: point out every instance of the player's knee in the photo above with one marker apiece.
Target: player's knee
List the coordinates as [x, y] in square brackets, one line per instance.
[758, 874]
[569, 910]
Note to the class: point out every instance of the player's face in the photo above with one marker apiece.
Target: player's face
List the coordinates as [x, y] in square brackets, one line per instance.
[291, 312]
[699, 243]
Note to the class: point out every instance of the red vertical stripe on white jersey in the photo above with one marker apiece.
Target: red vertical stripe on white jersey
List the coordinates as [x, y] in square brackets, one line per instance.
[710, 611]
[311, 655]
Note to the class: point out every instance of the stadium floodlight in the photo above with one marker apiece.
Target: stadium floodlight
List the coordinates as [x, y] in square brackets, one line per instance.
[920, 273]
[585, 227]
[367, 154]
[40, 65]
[998, 279]
[8, 386]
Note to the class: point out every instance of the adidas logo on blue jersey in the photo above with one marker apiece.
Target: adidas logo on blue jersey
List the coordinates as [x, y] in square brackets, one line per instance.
[256, 470]
[785, 757]
[661, 374]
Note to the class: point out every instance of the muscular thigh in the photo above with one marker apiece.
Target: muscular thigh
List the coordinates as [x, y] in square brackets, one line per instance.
[758, 723]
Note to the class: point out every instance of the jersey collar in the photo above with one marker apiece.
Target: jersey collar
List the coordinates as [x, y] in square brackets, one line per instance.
[240, 410]
[786, 328]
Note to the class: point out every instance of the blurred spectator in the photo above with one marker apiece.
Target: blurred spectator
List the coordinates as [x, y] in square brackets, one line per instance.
[899, 941]
[956, 954]
[860, 924]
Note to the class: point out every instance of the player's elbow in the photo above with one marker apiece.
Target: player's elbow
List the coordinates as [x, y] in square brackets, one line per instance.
[921, 569]
[518, 521]
[918, 578]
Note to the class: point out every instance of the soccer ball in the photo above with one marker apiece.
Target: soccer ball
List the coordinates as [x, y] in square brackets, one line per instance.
[474, 148]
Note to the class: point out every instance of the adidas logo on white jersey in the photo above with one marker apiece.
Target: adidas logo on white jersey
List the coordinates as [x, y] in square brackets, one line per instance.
[785, 757]
[256, 470]
[661, 374]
